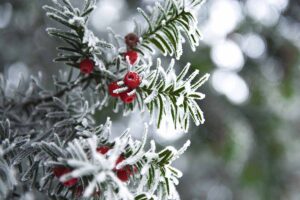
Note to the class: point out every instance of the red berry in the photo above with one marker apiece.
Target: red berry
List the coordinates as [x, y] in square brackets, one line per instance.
[120, 159]
[126, 98]
[123, 175]
[103, 150]
[133, 56]
[86, 66]
[111, 87]
[131, 40]
[132, 80]
[70, 182]
[60, 171]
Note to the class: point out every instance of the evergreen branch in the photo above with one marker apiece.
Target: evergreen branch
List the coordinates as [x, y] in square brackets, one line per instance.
[53, 115]
[58, 94]
[174, 19]
[175, 98]
[7, 178]
[41, 131]
[83, 43]
[88, 165]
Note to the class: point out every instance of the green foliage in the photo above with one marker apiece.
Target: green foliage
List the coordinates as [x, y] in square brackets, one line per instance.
[7, 178]
[168, 23]
[58, 129]
[163, 95]
[81, 42]
[155, 178]
[174, 96]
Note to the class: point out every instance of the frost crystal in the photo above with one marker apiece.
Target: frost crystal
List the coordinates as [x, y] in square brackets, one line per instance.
[77, 21]
[51, 142]
[90, 39]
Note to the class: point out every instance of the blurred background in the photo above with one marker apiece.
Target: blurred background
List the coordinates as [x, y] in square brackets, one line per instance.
[249, 147]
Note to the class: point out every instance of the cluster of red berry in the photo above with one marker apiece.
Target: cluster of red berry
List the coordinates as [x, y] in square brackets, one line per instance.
[123, 174]
[87, 65]
[131, 41]
[132, 80]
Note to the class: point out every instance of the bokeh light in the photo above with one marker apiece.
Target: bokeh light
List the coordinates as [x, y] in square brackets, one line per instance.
[228, 55]
[109, 14]
[5, 14]
[253, 45]
[16, 72]
[166, 133]
[223, 18]
[231, 85]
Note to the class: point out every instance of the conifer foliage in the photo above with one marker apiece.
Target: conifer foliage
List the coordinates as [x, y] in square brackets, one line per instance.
[50, 142]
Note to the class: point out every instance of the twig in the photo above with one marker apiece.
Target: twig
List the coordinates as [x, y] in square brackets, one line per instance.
[57, 94]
